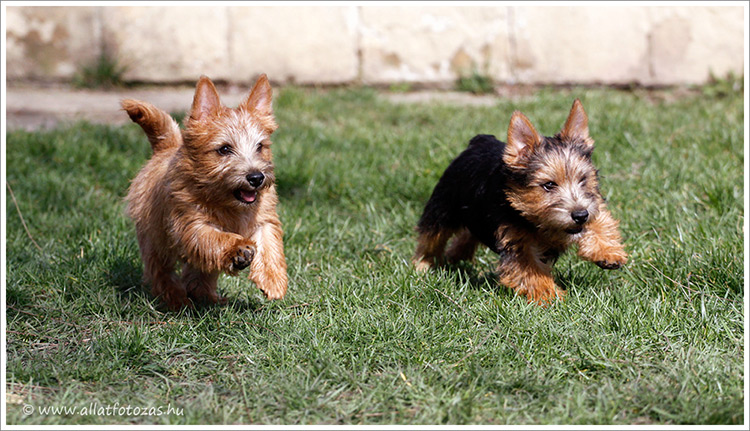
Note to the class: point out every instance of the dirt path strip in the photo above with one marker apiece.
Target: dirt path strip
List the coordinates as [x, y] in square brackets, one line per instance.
[33, 108]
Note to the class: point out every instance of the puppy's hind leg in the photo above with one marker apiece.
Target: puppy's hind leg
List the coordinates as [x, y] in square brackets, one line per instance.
[201, 287]
[164, 282]
[430, 248]
[463, 247]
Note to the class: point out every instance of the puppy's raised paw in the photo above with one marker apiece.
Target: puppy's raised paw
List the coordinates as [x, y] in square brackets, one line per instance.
[241, 258]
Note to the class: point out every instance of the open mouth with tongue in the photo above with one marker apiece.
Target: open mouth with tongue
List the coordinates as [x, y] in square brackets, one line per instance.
[246, 196]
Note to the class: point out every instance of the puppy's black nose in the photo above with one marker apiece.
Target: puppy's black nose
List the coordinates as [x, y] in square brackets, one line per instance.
[255, 179]
[580, 217]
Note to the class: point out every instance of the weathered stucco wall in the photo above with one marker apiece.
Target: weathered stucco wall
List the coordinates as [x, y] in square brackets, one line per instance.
[434, 44]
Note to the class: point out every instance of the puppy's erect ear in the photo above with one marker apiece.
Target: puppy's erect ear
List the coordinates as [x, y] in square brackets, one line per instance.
[576, 128]
[206, 100]
[522, 139]
[259, 99]
[259, 102]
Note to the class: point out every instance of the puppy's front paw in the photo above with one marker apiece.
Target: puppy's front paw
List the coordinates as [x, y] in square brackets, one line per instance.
[241, 257]
[615, 261]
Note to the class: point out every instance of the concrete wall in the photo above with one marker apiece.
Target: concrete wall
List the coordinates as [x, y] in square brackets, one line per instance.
[338, 44]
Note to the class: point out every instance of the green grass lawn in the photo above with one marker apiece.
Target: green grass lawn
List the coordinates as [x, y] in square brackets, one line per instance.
[361, 338]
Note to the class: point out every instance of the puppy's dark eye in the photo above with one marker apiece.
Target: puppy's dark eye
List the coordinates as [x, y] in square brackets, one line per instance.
[549, 186]
[225, 150]
[260, 147]
[582, 181]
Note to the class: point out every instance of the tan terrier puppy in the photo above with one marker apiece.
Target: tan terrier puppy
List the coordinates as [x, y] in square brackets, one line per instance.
[527, 200]
[207, 197]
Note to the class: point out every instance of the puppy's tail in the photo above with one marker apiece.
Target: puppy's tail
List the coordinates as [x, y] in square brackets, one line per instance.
[161, 129]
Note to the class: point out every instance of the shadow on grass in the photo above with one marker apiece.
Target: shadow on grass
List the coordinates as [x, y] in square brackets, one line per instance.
[126, 276]
[568, 280]
[478, 279]
[239, 305]
[489, 280]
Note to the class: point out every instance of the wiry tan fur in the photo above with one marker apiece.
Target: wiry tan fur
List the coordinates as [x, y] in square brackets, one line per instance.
[193, 203]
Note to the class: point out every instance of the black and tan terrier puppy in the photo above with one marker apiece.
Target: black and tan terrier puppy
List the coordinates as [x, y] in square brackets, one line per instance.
[207, 197]
[527, 200]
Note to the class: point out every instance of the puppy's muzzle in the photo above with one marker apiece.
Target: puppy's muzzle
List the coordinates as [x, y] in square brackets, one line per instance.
[249, 195]
[255, 179]
[580, 217]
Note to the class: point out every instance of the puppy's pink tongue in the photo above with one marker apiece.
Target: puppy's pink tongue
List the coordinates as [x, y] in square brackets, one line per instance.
[248, 197]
